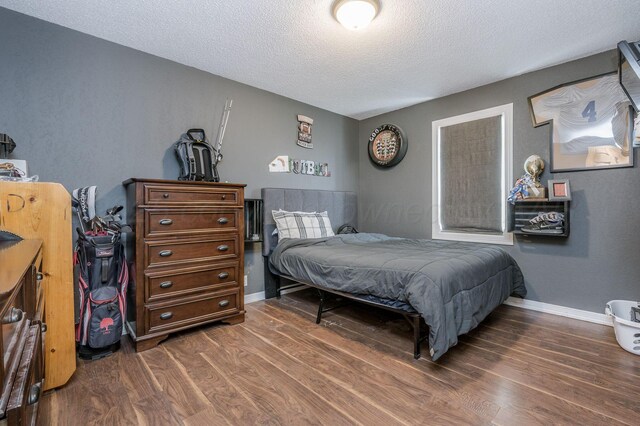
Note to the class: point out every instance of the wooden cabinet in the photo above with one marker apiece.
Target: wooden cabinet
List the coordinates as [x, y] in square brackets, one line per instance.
[188, 256]
[22, 331]
[42, 211]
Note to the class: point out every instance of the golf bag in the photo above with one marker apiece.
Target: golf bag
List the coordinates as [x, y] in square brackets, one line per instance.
[197, 158]
[103, 277]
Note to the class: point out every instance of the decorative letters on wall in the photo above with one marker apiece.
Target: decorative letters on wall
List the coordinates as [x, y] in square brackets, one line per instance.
[284, 164]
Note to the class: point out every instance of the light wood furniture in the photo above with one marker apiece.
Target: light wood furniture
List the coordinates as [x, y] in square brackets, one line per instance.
[22, 331]
[43, 211]
[188, 252]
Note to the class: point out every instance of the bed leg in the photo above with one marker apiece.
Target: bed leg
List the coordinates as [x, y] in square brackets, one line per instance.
[416, 337]
[320, 306]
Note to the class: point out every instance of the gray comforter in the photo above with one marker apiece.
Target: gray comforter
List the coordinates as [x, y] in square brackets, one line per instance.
[453, 285]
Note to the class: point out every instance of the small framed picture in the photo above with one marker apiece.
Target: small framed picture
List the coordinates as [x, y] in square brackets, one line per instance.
[559, 190]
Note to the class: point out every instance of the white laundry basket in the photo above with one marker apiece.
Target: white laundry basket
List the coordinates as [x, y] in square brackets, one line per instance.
[627, 331]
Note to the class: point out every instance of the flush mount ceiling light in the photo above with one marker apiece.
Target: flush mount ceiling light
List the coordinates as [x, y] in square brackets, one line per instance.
[355, 14]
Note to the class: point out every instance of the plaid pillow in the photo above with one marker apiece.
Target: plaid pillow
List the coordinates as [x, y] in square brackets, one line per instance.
[302, 224]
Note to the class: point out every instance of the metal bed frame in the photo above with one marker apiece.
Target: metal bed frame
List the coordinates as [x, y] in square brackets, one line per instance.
[413, 317]
[342, 208]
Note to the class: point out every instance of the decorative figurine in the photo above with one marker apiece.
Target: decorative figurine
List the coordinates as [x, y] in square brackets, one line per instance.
[529, 186]
[534, 166]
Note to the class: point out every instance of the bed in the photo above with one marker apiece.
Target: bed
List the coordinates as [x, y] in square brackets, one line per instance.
[448, 286]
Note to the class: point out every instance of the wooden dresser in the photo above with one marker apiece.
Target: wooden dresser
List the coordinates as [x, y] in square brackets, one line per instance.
[188, 255]
[22, 333]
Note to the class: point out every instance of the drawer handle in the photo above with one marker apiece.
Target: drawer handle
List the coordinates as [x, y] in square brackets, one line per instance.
[166, 315]
[166, 284]
[223, 275]
[224, 196]
[166, 221]
[165, 195]
[223, 303]
[223, 221]
[43, 327]
[14, 315]
[39, 276]
[223, 247]
[165, 253]
[34, 393]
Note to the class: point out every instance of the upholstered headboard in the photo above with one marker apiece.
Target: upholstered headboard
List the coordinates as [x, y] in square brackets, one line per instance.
[342, 207]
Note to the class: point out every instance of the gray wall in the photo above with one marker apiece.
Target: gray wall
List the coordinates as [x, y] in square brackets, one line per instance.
[84, 111]
[600, 260]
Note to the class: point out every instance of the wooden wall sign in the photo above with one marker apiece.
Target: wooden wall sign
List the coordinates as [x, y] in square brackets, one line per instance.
[304, 131]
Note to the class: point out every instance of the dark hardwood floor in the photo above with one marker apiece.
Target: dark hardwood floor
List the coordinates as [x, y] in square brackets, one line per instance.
[518, 367]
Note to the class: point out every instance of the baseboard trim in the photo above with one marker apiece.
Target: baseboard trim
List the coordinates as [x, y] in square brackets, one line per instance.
[562, 311]
[256, 297]
[253, 297]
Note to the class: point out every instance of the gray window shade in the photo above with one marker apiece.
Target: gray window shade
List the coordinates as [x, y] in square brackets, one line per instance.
[470, 167]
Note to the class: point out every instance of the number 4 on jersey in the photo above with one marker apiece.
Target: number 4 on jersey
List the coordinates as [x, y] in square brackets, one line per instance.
[590, 111]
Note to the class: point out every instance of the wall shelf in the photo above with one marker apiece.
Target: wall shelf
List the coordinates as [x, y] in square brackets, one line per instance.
[252, 220]
[525, 210]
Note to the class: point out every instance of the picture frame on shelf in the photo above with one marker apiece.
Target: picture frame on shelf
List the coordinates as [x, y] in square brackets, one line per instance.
[591, 123]
[559, 190]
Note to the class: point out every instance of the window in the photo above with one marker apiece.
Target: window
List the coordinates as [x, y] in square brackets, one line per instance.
[472, 169]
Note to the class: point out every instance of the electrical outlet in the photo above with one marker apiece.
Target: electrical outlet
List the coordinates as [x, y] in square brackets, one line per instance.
[246, 280]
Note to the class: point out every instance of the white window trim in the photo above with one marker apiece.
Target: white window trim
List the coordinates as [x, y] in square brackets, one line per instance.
[506, 111]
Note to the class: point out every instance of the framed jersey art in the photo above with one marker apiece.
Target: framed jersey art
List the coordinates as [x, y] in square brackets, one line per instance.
[591, 124]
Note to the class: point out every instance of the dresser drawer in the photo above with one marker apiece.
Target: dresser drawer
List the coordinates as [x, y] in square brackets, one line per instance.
[175, 315]
[168, 253]
[27, 387]
[165, 222]
[178, 283]
[185, 194]
[13, 323]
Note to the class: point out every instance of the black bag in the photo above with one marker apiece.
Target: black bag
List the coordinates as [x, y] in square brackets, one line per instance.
[7, 145]
[197, 158]
[103, 277]
[347, 229]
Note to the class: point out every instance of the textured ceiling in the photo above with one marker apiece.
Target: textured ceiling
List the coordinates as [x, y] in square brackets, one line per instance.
[415, 50]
